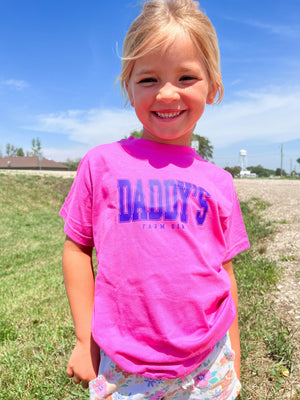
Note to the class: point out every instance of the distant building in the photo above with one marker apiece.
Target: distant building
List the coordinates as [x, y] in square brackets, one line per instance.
[247, 174]
[31, 163]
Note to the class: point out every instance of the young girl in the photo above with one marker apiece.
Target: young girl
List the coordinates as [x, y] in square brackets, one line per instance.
[165, 224]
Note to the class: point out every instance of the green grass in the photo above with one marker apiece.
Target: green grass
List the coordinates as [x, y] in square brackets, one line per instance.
[267, 352]
[36, 330]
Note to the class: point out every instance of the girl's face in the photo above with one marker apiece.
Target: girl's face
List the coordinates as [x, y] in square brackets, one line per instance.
[169, 88]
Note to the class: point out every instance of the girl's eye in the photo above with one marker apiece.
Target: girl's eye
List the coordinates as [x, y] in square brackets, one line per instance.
[187, 78]
[147, 80]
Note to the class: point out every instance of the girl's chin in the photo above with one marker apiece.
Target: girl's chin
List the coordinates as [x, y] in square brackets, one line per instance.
[183, 140]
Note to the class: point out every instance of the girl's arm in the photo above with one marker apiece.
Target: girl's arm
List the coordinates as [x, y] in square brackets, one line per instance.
[80, 286]
[234, 329]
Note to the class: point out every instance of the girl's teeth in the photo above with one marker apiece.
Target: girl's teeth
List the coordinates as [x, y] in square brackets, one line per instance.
[168, 115]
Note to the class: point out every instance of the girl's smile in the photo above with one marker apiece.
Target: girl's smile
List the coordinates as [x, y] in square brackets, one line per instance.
[168, 115]
[169, 88]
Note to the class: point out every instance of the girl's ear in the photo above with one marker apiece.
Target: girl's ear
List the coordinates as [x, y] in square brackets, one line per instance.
[213, 90]
[130, 96]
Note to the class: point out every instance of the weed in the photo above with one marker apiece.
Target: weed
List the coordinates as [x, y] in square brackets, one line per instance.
[285, 257]
[7, 331]
[259, 204]
[282, 221]
[279, 344]
[256, 228]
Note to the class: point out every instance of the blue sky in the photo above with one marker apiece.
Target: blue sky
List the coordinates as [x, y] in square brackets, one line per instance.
[59, 61]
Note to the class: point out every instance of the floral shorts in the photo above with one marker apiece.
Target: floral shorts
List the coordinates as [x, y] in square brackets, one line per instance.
[215, 379]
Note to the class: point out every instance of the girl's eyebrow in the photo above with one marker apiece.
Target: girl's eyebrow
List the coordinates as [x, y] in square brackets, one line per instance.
[145, 71]
[188, 68]
[180, 69]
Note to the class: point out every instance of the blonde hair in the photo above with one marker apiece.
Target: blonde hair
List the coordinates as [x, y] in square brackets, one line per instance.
[158, 24]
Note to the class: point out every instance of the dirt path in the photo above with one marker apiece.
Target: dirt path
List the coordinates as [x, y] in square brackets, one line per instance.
[63, 174]
[283, 246]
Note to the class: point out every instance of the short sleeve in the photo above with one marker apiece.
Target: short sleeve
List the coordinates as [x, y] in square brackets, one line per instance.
[234, 230]
[77, 209]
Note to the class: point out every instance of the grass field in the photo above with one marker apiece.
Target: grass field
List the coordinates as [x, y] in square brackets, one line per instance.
[36, 331]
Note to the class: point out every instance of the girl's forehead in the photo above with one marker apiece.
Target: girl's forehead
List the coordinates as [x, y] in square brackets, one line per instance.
[167, 44]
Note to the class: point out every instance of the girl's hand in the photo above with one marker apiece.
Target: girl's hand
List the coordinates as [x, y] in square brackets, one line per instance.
[84, 362]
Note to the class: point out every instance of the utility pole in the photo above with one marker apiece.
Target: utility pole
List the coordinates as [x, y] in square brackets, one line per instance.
[40, 157]
[281, 164]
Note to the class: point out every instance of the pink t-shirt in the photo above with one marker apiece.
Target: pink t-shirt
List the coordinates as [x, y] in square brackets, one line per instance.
[162, 221]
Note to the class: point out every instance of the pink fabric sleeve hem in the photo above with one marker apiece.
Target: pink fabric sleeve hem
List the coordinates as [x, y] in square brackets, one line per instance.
[73, 234]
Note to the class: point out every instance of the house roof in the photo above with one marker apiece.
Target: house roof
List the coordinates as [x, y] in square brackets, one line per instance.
[30, 163]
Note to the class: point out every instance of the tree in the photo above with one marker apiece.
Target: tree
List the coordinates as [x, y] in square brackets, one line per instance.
[233, 170]
[36, 147]
[72, 164]
[278, 172]
[204, 147]
[8, 149]
[12, 151]
[20, 152]
[260, 171]
[137, 134]
[200, 143]
[298, 160]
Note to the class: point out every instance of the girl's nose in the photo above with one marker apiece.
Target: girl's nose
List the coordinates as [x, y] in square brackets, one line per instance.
[168, 93]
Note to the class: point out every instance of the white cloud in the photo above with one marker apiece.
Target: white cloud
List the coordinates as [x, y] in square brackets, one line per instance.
[17, 84]
[271, 114]
[72, 153]
[290, 31]
[92, 127]
[277, 29]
